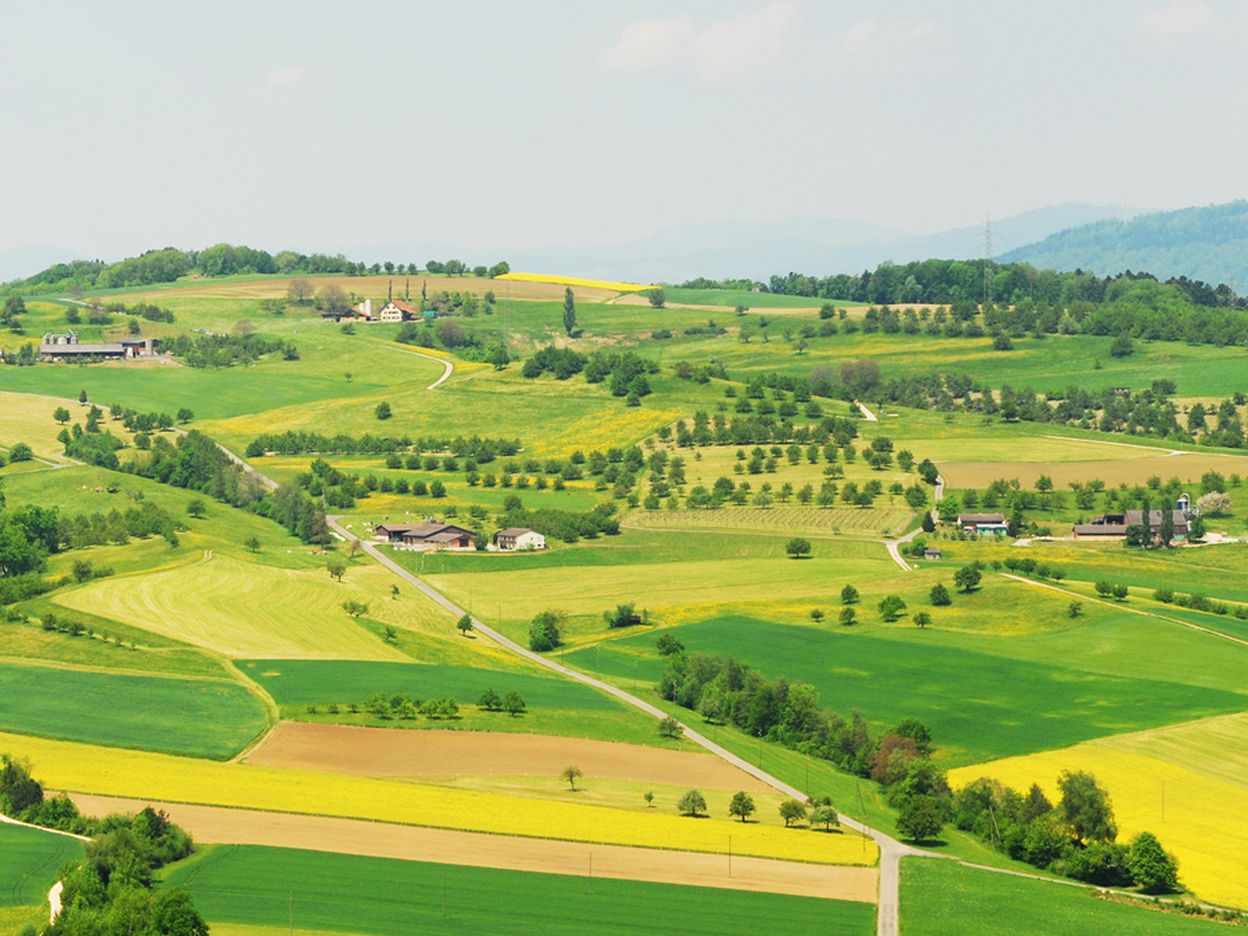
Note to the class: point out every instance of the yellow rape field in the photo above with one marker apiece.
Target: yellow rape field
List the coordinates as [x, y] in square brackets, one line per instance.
[85, 768]
[574, 281]
[1198, 769]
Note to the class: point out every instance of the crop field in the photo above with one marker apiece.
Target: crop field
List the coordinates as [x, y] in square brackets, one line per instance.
[375, 752]
[198, 717]
[113, 772]
[29, 860]
[851, 521]
[1186, 783]
[940, 897]
[1066, 701]
[312, 890]
[605, 286]
[232, 607]
[554, 706]
[27, 418]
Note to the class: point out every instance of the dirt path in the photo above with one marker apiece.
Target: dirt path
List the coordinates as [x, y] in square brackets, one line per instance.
[867, 414]
[384, 752]
[214, 824]
[54, 901]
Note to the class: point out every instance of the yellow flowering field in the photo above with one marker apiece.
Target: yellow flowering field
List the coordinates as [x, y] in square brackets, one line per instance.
[85, 768]
[1199, 769]
[574, 281]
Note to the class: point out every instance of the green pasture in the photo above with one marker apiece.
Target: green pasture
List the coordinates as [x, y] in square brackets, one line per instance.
[979, 705]
[941, 897]
[748, 298]
[344, 893]
[556, 706]
[29, 860]
[195, 717]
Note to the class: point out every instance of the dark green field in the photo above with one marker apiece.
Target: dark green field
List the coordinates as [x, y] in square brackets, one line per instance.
[315, 890]
[196, 717]
[941, 897]
[29, 860]
[979, 705]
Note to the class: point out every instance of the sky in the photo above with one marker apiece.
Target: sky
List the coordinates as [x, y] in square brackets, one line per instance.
[320, 125]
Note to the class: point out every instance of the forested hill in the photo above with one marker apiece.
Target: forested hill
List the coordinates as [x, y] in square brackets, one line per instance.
[1209, 244]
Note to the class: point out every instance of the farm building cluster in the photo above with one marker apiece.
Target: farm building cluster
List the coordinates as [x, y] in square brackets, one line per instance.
[395, 310]
[65, 346]
[431, 535]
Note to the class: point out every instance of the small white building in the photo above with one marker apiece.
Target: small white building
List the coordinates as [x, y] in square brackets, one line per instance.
[519, 539]
[396, 311]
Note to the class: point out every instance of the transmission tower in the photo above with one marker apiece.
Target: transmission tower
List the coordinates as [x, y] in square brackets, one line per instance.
[987, 261]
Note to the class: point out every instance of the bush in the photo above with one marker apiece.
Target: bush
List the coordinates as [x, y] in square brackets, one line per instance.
[545, 631]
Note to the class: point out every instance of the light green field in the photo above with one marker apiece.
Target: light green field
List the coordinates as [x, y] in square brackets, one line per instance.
[241, 609]
[941, 897]
[29, 860]
[27, 418]
[850, 521]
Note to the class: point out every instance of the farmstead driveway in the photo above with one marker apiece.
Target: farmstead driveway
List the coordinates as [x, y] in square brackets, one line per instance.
[891, 851]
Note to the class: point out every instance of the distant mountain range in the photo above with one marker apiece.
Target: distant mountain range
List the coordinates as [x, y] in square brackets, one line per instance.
[757, 249]
[1209, 244]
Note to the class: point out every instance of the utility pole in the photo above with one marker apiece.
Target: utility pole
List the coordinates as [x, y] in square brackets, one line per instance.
[988, 290]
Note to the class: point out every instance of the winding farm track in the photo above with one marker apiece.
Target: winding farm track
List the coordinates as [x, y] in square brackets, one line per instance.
[447, 367]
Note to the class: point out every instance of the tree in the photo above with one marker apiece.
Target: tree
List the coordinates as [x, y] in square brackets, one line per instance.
[299, 290]
[692, 803]
[464, 624]
[648, 796]
[920, 819]
[544, 631]
[337, 567]
[848, 616]
[940, 596]
[891, 608]
[1122, 346]
[21, 452]
[571, 773]
[797, 548]
[922, 619]
[383, 411]
[569, 312]
[513, 704]
[742, 805]
[196, 508]
[252, 543]
[1074, 609]
[355, 608]
[849, 595]
[1150, 866]
[657, 297]
[967, 578]
[1195, 526]
[61, 415]
[82, 396]
[670, 728]
[816, 615]
[792, 811]
[1085, 807]
[825, 816]
[1104, 588]
[490, 700]
[668, 644]
[390, 636]
[1212, 504]
[334, 299]
[1120, 592]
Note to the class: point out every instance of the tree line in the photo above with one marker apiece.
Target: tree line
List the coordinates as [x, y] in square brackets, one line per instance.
[302, 443]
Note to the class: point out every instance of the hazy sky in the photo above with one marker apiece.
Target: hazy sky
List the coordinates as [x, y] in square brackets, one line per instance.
[139, 124]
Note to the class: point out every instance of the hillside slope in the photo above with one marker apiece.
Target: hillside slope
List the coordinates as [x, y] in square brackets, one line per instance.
[1209, 243]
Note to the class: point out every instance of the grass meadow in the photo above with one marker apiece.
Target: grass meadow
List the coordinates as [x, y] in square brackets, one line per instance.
[196, 717]
[940, 897]
[83, 768]
[344, 893]
[29, 860]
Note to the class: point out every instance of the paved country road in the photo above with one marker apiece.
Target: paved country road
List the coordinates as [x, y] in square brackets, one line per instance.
[891, 850]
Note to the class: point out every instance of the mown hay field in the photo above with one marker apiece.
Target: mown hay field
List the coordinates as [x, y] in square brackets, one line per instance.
[247, 609]
[1129, 469]
[197, 717]
[1186, 783]
[28, 418]
[109, 771]
[310, 890]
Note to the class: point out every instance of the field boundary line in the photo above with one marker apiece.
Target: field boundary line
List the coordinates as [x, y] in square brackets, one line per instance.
[1123, 607]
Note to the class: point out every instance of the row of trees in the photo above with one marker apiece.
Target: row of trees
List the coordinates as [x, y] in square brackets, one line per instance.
[301, 443]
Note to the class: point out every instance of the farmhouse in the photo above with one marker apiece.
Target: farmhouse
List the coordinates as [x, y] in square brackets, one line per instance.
[931, 552]
[67, 347]
[427, 535]
[519, 538]
[983, 524]
[1111, 526]
[396, 310]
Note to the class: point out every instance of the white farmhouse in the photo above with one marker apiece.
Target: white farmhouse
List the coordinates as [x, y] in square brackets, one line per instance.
[519, 538]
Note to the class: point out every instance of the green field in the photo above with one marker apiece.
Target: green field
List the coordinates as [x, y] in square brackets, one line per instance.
[29, 860]
[344, 893]
[555, 706]
[978, 705]
[942, 897]
[196, 717]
